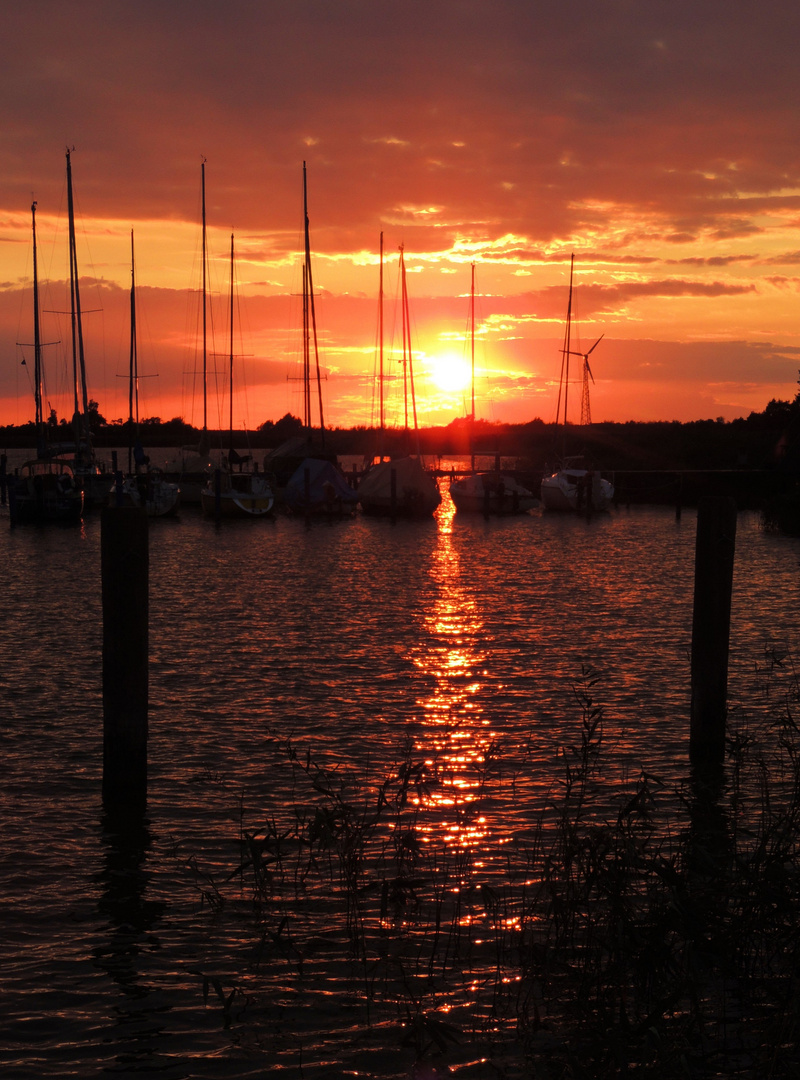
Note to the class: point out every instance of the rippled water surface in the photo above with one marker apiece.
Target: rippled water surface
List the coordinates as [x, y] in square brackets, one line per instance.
[290, 664]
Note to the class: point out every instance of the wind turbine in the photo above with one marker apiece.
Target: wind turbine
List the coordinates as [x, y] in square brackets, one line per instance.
[586, 411]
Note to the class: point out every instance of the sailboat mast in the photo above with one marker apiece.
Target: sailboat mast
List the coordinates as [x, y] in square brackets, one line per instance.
[205, 294]
[230, 373]
[472, 352]
[380, 345]
[306, 359]
[81, 396]
[306, 311]
[37, 344]
[408, 361]
[405, 344]
[312, 317]
[133, 377]
[472, 335]
[565, 352]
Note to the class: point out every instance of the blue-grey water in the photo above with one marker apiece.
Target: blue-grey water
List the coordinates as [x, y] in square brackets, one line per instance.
[454, 642]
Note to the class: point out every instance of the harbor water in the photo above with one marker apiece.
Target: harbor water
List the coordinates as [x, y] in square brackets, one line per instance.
[290, 663]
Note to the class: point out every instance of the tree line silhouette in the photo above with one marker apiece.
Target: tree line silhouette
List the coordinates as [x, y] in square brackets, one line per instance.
[762, 440]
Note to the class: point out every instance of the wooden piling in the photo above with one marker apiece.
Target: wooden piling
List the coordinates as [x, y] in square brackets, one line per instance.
[713, 586]
[12, 499]
[124, 556]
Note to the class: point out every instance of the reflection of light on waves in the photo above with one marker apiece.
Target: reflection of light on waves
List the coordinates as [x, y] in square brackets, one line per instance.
[457, 734]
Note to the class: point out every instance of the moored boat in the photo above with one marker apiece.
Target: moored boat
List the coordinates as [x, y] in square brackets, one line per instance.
[148, 489]
[237, 494]
[402, 487]
[144, 486]
[494, 492]
[236, 489]
[318, 488]
[193, 465]
[399, 487]
[45, 488]
[308, 478]
[574, 486]
[44, 491]
[79, 456]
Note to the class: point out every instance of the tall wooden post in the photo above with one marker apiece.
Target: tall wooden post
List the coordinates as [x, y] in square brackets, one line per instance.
[12, 500]
[713, 585]
[124, 555]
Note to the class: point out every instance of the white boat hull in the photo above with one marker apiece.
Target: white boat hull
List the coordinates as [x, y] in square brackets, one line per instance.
[191, 472]
[155, 495]
[491, 493]
[576, 489]
[239, 495]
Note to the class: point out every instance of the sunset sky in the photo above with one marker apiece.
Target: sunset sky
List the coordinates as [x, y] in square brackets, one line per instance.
[657, 141]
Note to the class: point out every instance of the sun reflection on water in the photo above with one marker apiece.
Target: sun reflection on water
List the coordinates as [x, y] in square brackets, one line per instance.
[456, 737]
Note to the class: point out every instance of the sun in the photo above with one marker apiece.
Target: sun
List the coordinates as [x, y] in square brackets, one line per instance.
[450, 372]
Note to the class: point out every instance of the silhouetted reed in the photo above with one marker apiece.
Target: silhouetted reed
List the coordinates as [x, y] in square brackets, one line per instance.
[632, 927]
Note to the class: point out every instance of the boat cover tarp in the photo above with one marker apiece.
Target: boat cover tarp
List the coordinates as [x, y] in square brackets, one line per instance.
[416, 490]
[327, 487]
[291, 455]
[377, 481]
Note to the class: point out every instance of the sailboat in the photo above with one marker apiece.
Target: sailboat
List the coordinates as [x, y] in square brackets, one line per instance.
[144, 485]
[232, 491]
[494, 492]
[193, 465]
[45, 489]
[79, 454]
[400, 487]
[573, 486]
[309, 478]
